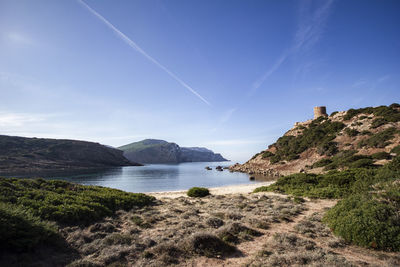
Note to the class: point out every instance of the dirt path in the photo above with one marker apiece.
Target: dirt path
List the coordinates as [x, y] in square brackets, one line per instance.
[248, 250]
[251, 248]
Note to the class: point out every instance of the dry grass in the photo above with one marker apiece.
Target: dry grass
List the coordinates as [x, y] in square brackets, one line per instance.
[175, 230]
[286, 249]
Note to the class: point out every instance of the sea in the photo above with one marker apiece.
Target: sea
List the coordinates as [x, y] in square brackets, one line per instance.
[159, 177]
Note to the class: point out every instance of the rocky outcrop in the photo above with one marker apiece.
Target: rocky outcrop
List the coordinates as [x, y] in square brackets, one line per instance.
[153, 151]
[32, 155]
[362, 133]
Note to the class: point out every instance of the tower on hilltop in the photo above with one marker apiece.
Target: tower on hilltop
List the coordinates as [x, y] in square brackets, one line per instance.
[320, 111]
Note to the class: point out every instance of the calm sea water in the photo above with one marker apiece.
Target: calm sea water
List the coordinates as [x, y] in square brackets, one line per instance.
[159, 177]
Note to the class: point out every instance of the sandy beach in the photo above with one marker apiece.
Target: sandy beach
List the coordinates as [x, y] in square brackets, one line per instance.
[222, 190]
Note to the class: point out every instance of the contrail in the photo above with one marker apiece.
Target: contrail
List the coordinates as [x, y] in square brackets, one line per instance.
[132, 44]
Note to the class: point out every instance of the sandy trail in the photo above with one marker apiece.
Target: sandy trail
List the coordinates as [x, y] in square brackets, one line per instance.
[356, 255]
[248, 250]
[223, 190]
[251, 248]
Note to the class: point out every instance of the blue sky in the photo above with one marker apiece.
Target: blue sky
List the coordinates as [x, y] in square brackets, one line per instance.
[229, 75]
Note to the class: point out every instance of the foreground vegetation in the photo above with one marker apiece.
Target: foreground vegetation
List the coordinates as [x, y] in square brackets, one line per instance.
[68, 203]
[367, 215]
[27, 206]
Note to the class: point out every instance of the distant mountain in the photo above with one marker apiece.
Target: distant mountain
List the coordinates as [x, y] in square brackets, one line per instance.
[160, 151]
[30, 155]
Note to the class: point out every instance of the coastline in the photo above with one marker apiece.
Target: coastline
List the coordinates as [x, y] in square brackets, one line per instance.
[221, 190]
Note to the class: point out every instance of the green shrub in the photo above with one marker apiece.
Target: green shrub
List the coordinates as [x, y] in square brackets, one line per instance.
[267, 154]
[208, 245]
[396, 150]
[334, 184]
[21, 230]
[389, 113]
[319, 134]
[378, 122]
[322, 163]
[395, 105]
[367, 222]
[379, 140]
[327, 148]
[365, 132]
[66, 202]
[381, 155]
[198, 192]
[344, 159]
[275, 159]
[334, 113]
[351, 132]
[362, 163]
[256, 155]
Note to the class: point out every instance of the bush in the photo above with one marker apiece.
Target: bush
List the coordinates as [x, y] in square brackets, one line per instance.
[236, 232]
[351, 132]
[367, 222]
[378, 122]
[362, 163]
[396, 150]
[381, 155]
[389, 113]
[328, 148]
[319, 134]
[322, 163]
[267, 154]
[198, 192]
[343, 159]
[208, 245]
[66, 202]
[21, 230]
[334, 184]
[379, 140]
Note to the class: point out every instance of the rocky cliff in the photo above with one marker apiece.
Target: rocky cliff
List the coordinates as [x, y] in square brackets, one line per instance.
[31, 155]
[160, 151]
[354, 138]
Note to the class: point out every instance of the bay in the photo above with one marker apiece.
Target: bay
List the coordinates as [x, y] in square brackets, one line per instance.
[159, 177]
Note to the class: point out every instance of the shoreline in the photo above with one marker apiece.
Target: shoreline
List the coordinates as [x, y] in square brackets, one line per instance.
[221, 190]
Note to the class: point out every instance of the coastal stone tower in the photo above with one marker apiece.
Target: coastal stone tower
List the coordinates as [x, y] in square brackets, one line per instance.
[320, 111]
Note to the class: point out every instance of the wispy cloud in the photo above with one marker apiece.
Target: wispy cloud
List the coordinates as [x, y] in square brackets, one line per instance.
[19, 38]
[269, 72]
[311, 26]
[227, 115]
[8, 120]
[135, 46]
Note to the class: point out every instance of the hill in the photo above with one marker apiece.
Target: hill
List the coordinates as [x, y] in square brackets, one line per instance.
[160, 151]
[364, 137]
[32, 155]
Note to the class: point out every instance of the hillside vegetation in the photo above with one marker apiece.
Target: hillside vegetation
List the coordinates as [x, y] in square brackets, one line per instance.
[367, 215]
[364, 137]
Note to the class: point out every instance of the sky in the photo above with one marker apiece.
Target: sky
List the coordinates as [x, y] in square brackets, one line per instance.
[229, 75]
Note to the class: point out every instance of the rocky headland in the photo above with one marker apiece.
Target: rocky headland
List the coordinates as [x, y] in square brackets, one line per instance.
[338, 141]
